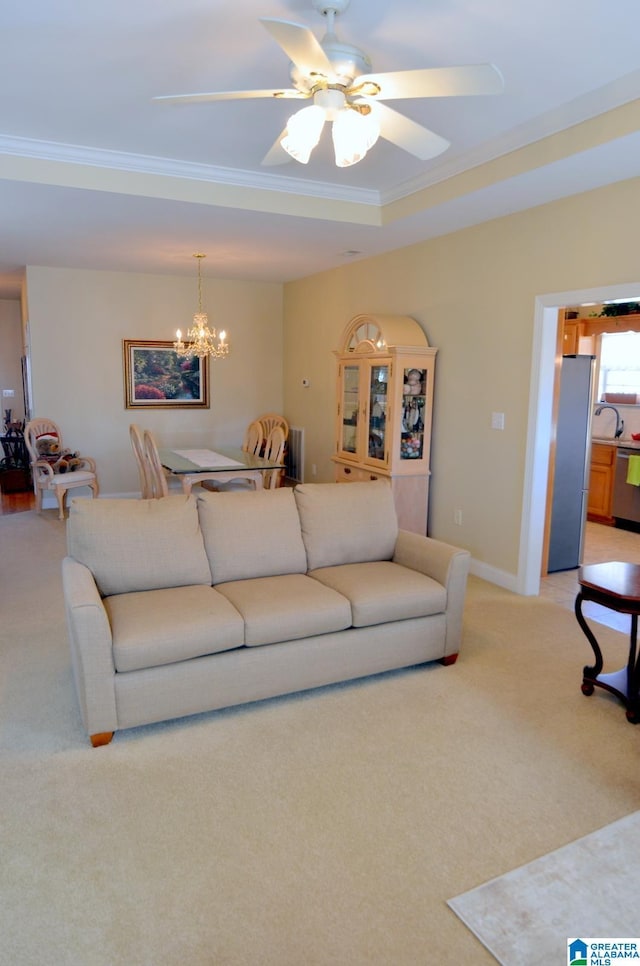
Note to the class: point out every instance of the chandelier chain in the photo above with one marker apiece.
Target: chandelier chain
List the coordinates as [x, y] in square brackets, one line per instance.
[199, 257]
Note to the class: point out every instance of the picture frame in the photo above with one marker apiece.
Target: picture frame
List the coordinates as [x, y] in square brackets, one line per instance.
[157, 377]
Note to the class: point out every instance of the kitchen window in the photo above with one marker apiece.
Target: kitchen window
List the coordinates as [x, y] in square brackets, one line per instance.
[619, 363]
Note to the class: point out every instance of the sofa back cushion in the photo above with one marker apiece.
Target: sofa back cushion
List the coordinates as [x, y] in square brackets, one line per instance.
[132, 545]
[251, 534]
[347, 522]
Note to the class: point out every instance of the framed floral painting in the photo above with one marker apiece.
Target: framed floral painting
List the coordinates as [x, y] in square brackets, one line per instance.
[155, 376]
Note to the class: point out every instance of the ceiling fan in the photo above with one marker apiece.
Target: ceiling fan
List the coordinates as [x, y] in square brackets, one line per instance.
[337, 78]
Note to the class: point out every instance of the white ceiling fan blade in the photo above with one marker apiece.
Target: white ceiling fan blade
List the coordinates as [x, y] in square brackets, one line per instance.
[277, 92]
[300, 45]
[276, 153]
[407, 134]
[437, 82]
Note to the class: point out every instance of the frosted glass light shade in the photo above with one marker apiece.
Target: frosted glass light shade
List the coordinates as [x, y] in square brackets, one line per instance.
[303, 133]
[353, 135]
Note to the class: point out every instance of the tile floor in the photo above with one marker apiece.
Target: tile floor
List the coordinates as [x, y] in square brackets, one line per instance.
[600, 544]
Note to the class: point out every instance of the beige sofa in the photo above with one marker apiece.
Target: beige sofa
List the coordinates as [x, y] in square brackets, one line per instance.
[188, 604]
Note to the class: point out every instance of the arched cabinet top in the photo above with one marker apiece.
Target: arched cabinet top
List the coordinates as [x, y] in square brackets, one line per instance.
[376, 333]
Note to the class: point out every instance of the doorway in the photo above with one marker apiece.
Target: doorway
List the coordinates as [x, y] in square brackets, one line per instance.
[540, 422]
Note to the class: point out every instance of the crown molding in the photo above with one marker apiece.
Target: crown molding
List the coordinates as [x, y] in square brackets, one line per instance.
[622, 91]
[186, 170]
[596, 103]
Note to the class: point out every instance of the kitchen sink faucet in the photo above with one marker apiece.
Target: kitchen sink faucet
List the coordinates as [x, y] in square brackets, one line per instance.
[619, 420]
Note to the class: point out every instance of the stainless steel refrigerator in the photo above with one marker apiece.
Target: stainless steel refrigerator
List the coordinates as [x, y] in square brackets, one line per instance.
[573, 450]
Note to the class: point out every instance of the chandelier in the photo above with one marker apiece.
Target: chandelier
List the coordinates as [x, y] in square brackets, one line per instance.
[200, 339]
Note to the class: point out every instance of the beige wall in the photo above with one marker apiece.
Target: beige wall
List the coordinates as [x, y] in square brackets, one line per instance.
[10, 354]
[77, 321]
[474, 294]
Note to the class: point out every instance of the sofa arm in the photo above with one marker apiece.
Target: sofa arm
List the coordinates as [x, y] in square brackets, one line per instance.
[445, 563]
[91, 648]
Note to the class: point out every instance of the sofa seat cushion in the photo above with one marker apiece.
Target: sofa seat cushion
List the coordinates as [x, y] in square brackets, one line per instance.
[156, 627]
[383, 591]
[286, 608]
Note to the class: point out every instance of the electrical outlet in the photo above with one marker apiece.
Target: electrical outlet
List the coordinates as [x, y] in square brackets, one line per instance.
[8, 393]
[497, 420]
[314, 469]
[457, 517]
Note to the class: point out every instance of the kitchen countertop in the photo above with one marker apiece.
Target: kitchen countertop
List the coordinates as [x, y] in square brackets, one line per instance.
[627, 443]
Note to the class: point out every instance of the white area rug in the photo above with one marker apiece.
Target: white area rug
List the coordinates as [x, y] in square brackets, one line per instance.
[590, 887]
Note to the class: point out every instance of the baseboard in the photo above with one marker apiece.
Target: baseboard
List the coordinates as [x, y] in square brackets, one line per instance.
[494, 576]
[49, 501]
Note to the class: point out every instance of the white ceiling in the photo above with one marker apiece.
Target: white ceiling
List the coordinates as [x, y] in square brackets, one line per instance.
[94, 174]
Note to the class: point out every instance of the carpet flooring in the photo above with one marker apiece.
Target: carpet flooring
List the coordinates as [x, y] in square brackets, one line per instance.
[328, 828]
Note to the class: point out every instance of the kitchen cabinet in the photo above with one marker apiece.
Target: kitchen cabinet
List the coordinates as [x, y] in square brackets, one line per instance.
[570, 339]
[601, 474]
[384, 409]
[576, 340]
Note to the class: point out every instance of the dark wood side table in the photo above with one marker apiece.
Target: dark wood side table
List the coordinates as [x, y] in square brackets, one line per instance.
[15, 449]
[615, 585]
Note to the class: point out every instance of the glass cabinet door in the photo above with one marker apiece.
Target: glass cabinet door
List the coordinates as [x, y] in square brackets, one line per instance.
[377, 408]
[350, 407]
[414, 394]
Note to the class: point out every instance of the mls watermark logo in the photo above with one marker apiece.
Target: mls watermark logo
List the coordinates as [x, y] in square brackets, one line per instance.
[601, 952]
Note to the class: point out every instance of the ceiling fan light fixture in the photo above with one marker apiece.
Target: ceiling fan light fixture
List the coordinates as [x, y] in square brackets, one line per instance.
[303, 132]
[353, 134]
[331, 100]
[338, 76]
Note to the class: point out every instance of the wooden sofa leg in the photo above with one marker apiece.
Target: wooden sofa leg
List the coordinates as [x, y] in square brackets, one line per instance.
[449, 659]
[102, 738]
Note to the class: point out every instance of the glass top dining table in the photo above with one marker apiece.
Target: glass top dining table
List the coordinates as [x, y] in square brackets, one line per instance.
[223, 464]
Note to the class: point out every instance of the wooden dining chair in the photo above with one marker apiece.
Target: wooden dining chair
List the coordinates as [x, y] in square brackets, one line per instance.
[274, 452]
[136, 435]
[270, 421]
[254, 438]
[158, 486]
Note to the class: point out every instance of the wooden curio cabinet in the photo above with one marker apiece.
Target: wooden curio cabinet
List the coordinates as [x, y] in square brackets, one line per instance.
[384, 408]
